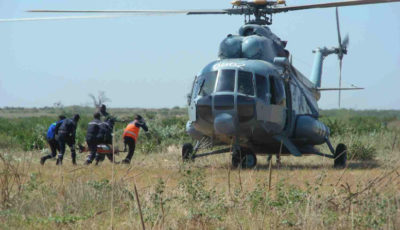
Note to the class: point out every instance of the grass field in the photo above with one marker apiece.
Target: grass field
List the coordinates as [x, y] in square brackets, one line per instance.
[303, 193]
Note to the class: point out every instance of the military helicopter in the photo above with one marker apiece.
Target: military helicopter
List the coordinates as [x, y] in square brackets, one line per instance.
[252, 98]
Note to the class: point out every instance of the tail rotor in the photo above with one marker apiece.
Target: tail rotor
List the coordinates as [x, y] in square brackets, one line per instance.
[341, 51]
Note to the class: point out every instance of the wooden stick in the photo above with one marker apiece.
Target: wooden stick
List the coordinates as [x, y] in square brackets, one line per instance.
[270, 175]
[229, 173]
[240, 168]
[279, 155]
[394, 142]
[112, 184]
[163, 213]
[140, 209]
[229, 181]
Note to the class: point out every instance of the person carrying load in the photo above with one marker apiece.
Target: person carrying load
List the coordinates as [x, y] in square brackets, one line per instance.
[131, 135]
[51, 140]
[105, 141]
[66, 131]
[91, 137]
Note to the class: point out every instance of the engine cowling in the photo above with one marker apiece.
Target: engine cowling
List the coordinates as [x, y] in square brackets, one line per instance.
[311, 130]
[231, 47]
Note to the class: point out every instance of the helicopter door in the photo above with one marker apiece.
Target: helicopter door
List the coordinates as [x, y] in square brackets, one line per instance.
[271, 108]
[191, 99]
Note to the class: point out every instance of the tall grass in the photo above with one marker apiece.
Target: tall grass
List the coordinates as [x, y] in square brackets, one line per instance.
[198, 197]
[306, 193]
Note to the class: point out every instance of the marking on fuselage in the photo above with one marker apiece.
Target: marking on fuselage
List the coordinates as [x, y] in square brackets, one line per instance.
[231, 64]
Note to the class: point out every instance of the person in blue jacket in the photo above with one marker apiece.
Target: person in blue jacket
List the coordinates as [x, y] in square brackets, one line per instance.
[51, 140]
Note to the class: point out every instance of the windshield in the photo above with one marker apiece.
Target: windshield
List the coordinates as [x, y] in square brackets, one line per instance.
[226, 81]
[207, 83]
[245, 83]
[262, 88]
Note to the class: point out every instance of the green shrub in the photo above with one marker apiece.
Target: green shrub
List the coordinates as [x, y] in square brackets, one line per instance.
[355, 125]
[359, 150]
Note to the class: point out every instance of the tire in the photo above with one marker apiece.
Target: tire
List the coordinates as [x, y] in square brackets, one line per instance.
[187, 152]
[340, 156]
[247, 161]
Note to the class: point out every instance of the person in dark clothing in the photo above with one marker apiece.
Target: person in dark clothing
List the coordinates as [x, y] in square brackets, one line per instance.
[105, 131]
[104, 137]
[66, 135]
[131, 134]
[103, 112]
[51, 140]
[91, 137]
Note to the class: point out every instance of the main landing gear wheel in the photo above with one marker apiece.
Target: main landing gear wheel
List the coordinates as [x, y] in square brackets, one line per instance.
[340, 156]
[247, 161]
[187, 152]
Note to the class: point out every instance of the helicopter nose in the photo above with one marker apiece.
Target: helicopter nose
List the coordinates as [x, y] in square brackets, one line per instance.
[224, 124]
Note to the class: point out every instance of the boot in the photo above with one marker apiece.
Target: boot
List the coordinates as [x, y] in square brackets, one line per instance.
[73, 161]
[126, 161]
[42, 160]
[59, 161]
[88, 162]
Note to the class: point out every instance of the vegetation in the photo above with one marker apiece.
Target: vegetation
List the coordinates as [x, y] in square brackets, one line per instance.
[303, 193]
[166, 127]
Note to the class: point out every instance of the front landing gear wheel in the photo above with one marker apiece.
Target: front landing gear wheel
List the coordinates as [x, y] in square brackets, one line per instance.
[247, 161]
[187, 152]
[340, 156]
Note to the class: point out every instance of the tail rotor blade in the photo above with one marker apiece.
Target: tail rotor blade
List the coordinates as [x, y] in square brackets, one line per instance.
[340, 54]
[338, 27]
[345, 41]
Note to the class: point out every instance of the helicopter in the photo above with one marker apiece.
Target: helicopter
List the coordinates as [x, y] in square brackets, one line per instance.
[252, 98]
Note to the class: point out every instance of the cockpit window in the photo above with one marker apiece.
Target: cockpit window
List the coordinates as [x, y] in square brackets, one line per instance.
[245, 83]
[207, 83]
[262, 88]
[226, 81]
[277, 91]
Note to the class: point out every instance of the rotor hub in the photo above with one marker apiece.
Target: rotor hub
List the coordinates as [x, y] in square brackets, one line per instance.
[259, 9]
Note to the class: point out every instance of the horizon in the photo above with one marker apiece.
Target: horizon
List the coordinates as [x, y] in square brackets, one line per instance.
[173, 107]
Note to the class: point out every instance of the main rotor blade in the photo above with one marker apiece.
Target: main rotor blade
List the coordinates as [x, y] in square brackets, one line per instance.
[158, 12]
[57, 18]
[339, 89]
[330, 4]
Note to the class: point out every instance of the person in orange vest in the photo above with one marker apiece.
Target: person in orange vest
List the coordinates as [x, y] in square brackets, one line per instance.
[131, 134]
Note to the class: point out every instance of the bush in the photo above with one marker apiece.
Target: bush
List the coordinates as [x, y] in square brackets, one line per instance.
[355, 125]
[361, 151]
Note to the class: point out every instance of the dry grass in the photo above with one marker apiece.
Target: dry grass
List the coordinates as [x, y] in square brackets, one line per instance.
[306, 193]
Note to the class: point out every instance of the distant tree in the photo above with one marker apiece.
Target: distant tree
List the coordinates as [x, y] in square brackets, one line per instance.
[58, 105]
[59, 108]
[100, 99]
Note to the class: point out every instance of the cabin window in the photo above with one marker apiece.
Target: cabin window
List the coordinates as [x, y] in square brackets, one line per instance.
[226, 81]
[207, 83]
[262, 88]
[299, 102]
[245, 83]
[278, 96]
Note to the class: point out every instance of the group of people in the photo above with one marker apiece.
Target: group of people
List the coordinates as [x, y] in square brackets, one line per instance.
[99, 132]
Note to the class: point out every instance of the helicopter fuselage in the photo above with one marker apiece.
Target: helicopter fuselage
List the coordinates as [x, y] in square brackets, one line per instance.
[254, 102]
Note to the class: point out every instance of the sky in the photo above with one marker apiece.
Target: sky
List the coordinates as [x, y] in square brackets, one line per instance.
[151, 61]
